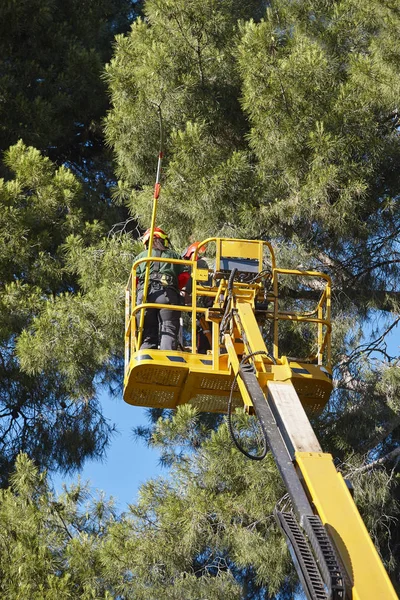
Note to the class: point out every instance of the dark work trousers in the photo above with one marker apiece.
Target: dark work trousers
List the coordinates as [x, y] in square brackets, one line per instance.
[202, 342]
[164, 320]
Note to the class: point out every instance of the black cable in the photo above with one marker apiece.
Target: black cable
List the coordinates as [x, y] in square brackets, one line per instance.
[262, 274]
[227, 314]
[231, 280]
[245, 359]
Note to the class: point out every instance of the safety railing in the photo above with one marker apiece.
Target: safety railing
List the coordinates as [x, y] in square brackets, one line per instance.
[205, 285]
[320, 315]
[133, 334]
[242, 249]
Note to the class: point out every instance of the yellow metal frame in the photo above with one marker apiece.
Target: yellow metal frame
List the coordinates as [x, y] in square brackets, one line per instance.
[322, 312]
[333, 502]
[167, 379]
[310, 375]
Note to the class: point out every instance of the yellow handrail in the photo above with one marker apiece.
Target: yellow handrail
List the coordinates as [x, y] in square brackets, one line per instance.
[320, 315]
[135, 345]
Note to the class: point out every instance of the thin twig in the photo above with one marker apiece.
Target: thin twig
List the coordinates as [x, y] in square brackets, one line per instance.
[379, 462]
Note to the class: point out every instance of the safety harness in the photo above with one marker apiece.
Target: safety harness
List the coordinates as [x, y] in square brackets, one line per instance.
[158, 281]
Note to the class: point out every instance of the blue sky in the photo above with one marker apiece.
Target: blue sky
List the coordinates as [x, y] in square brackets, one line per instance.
[129, 463]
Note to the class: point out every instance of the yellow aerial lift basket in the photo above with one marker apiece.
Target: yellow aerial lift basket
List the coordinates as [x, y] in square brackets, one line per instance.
[166, 379]
[252, 309]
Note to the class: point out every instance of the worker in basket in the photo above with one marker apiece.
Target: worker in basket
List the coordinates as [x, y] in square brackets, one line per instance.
[203, 341]
[165, 281]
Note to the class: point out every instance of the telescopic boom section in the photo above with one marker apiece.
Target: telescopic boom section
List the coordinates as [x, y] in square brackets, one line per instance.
[239, 299]
[330, 524]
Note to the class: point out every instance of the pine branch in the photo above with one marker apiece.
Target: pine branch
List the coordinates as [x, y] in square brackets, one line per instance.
[377, 265]
[383, 299]
[383, 434]
[65, 527]
[379, 462]
[337, 266]
[374, 346]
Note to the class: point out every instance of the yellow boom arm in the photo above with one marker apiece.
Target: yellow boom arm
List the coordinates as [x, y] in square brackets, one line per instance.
[354, 564]
[239, 298]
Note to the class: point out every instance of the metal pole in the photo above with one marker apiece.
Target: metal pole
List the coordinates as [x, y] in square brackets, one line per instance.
[157, 188]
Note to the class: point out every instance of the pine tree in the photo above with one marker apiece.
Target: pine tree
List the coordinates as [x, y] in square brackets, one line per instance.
[180, 62]
[52, 54]
[204, 532]
[320, 88]
[46, 411]
[284, 127]
[50, 546]
[54, 98]
[280, 123]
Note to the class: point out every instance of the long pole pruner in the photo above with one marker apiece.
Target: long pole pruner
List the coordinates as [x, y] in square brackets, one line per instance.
[157, 189]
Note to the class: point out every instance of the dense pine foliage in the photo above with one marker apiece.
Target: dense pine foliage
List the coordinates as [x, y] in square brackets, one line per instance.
[52, 101]
[281, 121]
[52, 54]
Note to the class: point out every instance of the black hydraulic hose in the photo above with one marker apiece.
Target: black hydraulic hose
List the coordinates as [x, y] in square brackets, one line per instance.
[231, 280]
[227, 313]
[263, 454]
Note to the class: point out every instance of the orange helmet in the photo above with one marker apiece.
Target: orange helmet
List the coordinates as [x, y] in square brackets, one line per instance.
[158, 233]
[190, 250]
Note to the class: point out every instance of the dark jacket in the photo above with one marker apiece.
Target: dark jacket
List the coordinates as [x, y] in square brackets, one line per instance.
[165, 274]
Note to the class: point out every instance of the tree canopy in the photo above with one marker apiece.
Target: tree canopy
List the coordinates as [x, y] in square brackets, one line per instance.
[52, 55]
[41, 206]
[53, 97]
[280, 122]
